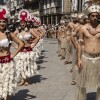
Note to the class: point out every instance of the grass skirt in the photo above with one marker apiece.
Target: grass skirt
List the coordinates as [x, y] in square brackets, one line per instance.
[63, 43]
[25, 64]
[7, 79]
[89, 76]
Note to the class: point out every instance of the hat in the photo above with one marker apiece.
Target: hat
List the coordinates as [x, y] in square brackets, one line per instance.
[91, 9]
[80, 15]
[84, 17]
[74, 15]
[23, 15]
[62, 22]
[3, 13]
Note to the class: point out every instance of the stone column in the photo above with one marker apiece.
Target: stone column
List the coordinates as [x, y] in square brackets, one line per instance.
[47, 20]
[56, 18]
[51, 20]
[43, 19]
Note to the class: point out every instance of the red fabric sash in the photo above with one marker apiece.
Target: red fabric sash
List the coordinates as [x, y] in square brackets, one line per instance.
[26, 49]
[5, 59]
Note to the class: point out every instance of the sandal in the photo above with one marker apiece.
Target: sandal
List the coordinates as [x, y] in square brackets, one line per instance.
[59, 55]
[21, 83]
[71, 71]
[73, 82]
[66, 62]
[26, 84]
[62, 58]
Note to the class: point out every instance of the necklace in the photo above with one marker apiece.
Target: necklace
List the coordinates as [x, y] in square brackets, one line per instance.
[92, 31]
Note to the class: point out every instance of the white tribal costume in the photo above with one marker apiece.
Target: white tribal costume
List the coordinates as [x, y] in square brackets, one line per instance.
[25, 59]
[39, 46]
[7, 66]
[8, 81]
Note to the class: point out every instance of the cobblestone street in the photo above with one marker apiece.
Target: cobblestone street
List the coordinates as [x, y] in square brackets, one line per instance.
[54, 80]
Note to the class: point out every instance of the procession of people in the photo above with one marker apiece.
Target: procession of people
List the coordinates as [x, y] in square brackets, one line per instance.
[79, 45]
[19, 64]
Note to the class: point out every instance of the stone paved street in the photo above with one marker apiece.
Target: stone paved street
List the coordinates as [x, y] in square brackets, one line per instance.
[54, 80]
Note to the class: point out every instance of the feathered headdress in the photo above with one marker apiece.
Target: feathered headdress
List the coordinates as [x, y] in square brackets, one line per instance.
[3, 13]
[92, 8]
[23, 15]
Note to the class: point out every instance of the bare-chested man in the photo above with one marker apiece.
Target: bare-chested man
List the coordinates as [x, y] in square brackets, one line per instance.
[70, 28]
[61, 35]
[74, 38]
[89, 60]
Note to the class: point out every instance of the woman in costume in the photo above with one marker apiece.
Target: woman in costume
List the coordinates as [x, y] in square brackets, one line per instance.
[25, 59]
[7, 66]
[40, 31]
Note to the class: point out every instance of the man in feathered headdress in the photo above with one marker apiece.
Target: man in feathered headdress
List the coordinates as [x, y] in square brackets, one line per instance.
[89, 60]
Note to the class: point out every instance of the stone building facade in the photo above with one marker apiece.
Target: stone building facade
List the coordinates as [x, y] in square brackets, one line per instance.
[16, 5]
[51, 11]
[32, 6]
[79, 5]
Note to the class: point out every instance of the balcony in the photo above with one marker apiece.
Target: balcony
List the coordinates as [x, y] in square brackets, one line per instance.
[48, 6]
[44, 7]
[52, 4]
[48, 11]
[58, 4]
[53, 10]
[44, 12]
[58, 10]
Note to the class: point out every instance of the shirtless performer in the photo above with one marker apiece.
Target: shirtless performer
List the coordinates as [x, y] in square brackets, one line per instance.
[63, 41]
[71, 26]
[89, 60]
[74, 37]
[60, 38]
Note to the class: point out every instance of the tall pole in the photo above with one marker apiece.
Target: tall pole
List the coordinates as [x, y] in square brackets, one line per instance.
[62, 6]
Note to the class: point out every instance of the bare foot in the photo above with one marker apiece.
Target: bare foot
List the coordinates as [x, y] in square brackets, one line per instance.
[62, 58]
[71, 70]
[26, 84]
[59, 55]
[66, 62]
[21, 83]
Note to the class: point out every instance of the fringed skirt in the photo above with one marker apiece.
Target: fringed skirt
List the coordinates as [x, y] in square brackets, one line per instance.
[64, 43]
[26, 64]
[89, 75]
[38, 48]
[8, 81]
